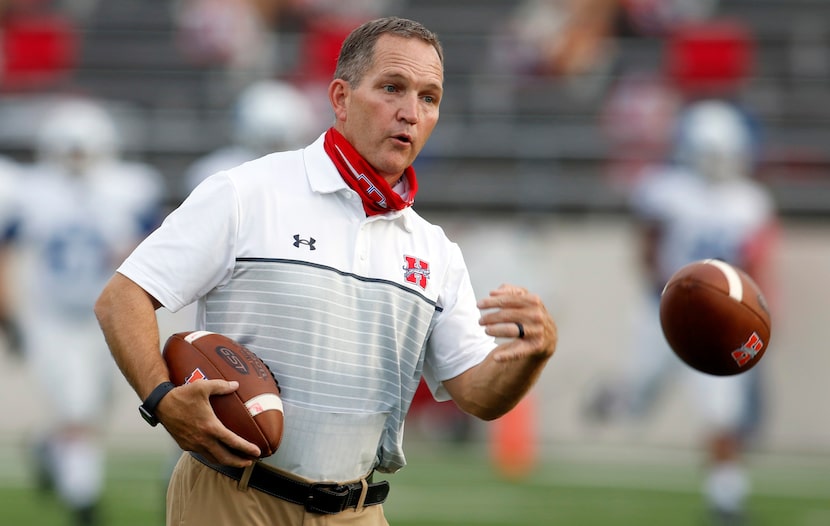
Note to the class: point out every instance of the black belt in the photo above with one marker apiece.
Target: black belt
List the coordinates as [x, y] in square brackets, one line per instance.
[318, 497]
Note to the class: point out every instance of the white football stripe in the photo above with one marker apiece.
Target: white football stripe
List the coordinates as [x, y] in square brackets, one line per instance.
[733, 279]
[195, 335]
[264, 402]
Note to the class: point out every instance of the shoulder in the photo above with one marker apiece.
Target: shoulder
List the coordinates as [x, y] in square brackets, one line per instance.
[268, 168]
[250, 182]
[130, 180]
[9, 177]
[749, 196]
[39, 181]
[8, 168]
[133, 171]
[430, 238]
[216, 161]
[663, 188]
[417, 223]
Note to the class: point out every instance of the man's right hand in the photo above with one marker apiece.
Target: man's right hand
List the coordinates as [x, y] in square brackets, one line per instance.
[187, 415]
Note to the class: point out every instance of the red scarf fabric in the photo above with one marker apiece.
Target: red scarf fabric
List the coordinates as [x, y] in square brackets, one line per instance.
[378, 197]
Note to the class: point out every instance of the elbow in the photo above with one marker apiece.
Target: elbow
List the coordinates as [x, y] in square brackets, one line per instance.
[102, 306]
[105, 306]
[489, 416]
[122, 297]
[490, 412]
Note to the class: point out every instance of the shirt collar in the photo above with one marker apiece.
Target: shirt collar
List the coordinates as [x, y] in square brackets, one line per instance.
[324, 178]
[322, 175]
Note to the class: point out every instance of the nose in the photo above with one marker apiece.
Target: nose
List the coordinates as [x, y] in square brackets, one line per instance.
[408, 110]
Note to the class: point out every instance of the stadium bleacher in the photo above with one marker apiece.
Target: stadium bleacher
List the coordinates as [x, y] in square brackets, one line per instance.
[534, 139]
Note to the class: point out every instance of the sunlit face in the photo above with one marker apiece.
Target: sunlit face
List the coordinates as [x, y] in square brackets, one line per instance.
[391, 113]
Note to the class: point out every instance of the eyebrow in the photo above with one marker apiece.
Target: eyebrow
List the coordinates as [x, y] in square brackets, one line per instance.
[435, 87]
[432, 86]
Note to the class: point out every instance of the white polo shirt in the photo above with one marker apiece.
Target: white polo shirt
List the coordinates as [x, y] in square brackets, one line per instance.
[348, 311]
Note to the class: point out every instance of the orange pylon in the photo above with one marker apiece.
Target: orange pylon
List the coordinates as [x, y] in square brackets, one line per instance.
[514, 440]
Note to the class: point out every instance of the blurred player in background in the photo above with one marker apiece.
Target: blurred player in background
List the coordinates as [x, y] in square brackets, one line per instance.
[703, 205]
[269, 116]
[78, 210]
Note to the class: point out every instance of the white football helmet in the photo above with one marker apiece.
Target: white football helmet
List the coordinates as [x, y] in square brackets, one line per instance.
[271, 116]
[715, 140]
[77, 134]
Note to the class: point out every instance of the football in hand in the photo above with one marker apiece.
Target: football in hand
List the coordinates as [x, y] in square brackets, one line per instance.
[715, 318]
[254, 411]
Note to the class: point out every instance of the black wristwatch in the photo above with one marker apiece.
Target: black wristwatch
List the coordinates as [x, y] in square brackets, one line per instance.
[148, 408]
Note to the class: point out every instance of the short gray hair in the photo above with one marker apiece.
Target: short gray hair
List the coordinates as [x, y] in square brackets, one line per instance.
[357, 51]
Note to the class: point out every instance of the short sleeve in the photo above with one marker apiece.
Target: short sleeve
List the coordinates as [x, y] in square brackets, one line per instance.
[193, 250]
[457, 342]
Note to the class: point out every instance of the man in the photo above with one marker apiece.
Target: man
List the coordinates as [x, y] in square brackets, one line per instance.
[75, 214]
[316, 261]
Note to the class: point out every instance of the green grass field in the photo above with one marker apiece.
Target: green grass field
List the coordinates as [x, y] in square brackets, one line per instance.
[448, 485]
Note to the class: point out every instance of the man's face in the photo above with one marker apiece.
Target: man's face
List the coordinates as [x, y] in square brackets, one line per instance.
[389, 116]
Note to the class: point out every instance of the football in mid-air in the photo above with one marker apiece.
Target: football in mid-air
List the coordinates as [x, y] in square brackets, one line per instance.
[254, 411]
[715, 318]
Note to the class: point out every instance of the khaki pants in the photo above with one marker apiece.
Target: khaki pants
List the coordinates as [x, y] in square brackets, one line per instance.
[200, 495]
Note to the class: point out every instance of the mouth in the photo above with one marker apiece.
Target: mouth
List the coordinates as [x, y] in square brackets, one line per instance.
[403, 138]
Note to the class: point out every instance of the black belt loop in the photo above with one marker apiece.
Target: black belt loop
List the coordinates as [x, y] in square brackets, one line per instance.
[327, 498]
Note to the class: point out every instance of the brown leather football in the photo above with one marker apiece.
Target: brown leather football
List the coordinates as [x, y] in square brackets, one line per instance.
[715, 318]
[254, 411]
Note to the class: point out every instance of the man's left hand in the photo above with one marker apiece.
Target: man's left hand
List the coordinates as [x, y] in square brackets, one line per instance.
[522, 316]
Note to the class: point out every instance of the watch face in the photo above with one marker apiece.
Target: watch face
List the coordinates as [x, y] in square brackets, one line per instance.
[148, 408]
[147, 416]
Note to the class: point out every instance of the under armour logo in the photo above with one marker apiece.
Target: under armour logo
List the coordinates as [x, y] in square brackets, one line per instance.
[307, 242]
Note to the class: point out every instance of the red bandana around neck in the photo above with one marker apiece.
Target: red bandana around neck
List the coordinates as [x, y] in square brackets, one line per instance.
[378, 197]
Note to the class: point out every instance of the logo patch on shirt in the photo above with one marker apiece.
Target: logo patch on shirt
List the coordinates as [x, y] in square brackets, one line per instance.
[416, 271]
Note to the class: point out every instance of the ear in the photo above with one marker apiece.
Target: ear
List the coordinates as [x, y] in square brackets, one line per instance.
[339, 91]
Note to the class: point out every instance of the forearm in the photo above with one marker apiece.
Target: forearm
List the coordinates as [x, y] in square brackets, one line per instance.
[493, 388]
[498, 383]
[127, 315]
